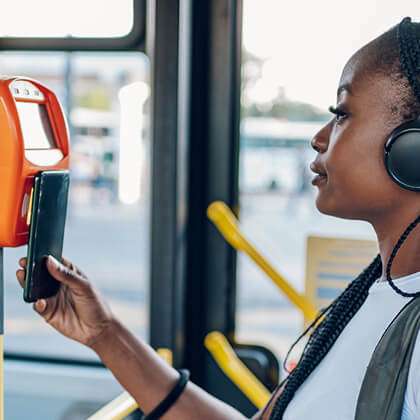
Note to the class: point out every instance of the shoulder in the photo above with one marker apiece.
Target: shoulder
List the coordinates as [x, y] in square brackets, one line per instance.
[412, 396]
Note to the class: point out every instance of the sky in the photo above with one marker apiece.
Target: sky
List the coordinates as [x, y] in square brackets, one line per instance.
[307, 43]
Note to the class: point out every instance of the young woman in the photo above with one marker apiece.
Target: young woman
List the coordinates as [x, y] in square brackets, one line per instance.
[379, 89]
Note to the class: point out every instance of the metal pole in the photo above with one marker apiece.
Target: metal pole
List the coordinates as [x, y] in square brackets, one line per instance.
[68, 82]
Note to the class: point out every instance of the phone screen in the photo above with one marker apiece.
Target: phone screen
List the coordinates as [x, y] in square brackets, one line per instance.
[46, 234]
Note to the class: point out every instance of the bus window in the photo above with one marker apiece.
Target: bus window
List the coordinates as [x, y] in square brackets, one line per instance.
[66, 19]
[106, 99]
[290, 72]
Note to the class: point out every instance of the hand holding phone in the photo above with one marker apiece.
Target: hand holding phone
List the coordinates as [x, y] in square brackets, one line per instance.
[78, 311]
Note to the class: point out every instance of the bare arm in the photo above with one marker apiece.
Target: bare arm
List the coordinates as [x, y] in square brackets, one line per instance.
[149, 379]
[79, 312]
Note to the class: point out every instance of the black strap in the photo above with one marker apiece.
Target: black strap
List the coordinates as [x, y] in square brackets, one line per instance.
[171, 398]
[383, 389]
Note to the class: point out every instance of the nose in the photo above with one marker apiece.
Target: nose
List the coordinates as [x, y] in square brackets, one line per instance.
[321, 139]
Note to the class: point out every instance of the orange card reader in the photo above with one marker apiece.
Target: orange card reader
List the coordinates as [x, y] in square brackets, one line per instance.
[33, 138]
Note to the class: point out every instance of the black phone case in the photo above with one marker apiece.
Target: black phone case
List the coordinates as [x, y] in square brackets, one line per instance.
[46, 234]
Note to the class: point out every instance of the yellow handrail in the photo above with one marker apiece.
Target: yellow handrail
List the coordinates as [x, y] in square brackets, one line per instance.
[122, 406]
[117, 409]
[224, 355]
[226, 222]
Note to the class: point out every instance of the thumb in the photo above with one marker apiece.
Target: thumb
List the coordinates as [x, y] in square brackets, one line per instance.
[62, 273]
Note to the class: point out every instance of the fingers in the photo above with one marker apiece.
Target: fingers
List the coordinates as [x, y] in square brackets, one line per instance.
[20, 275]
[64, 274]
[67, 263]
[72, 267]
[40, 306]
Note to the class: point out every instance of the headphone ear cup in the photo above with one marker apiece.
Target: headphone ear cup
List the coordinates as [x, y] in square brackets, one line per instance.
[402, 155]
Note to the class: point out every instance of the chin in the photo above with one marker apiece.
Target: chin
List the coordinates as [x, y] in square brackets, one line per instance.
[330, 208]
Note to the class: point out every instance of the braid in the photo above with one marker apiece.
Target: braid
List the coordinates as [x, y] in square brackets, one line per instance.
[327, 332]
[409, 54]
[340, 312]
[400, 241]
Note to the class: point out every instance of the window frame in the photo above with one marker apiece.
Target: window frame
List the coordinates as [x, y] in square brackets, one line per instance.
[133, 41]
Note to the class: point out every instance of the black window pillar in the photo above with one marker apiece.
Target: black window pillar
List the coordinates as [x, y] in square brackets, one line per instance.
[195, 48]
[169, 137]
[214, 154]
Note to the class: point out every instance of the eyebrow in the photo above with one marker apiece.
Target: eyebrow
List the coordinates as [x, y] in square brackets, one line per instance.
[346, 87]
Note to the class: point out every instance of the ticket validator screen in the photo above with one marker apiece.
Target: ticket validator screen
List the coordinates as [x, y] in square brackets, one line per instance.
[36, 128]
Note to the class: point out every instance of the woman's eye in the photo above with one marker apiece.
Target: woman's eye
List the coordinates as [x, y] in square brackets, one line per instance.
[339, 113]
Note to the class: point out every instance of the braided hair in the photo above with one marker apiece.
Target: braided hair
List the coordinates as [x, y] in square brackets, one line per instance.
[406, 52]
[409, 54]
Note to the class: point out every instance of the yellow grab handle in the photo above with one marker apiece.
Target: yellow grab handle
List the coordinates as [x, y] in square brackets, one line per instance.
[226, 222]
[226, 358]
[224, 219]
[125, 404]
[166, 355]
[117, 409]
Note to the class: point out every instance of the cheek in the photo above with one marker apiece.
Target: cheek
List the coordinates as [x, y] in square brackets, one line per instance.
[357, 179]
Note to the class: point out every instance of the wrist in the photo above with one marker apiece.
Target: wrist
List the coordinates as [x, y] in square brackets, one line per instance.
[108, 334]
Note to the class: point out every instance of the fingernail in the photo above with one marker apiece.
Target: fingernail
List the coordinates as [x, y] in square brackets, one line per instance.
[41, 304]
[53, 261]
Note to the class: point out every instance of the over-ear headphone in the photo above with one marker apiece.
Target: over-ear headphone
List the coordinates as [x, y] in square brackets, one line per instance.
[402, 155]
[402, 149]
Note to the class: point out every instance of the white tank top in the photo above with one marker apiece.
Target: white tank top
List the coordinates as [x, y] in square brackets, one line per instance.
[331, 391]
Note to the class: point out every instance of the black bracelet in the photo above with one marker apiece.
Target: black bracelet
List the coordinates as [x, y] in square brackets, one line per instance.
[171, 398]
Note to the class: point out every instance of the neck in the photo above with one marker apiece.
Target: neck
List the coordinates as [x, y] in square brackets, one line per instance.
[388, 230]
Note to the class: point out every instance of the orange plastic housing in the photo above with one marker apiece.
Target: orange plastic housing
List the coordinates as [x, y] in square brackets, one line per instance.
[17, 171]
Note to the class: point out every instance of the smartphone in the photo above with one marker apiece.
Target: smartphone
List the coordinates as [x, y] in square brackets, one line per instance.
[46, 232]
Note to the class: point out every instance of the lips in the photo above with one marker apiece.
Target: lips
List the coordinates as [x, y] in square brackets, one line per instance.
[321, 174]
[318, 179]
[317, 168]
